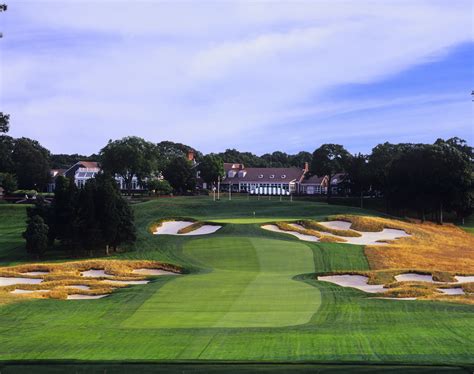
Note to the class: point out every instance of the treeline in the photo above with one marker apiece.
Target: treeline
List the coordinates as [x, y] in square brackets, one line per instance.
[428, 179]
[83, 221]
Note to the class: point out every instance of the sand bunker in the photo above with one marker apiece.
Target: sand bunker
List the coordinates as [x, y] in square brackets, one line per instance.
[19, 291]
[8, 281]
[35, 273]
[172, 228]
[145, 271]
[395, 298]
[95, 274]
[413, 277]
[85, 297]
[464, 279]
[79, 287]
[127, 282]
[366, 238]
[354, 281]
[451, 291]
[274, 228]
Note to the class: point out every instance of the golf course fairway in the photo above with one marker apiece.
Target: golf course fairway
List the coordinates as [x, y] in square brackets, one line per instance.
[246, 295]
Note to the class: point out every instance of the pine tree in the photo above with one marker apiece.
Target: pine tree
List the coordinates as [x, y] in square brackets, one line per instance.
[36, 236]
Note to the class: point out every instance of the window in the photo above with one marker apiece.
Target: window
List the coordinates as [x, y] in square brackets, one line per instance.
[261, 176]
[283, 176]
[272, 176]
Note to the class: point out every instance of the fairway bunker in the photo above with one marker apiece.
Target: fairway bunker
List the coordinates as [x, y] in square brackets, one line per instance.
[173, 228]
[20, 291]
[9, 281]
[94, 273]
[365, 238]
[307, 238]
[464, 279]
[79, 287]
[84, 297]
[451, 291]
[413, 277]
[354, 281]
[145, 271]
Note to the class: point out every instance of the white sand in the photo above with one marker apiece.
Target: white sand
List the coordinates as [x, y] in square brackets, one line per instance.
[366, 238]
[95, 274]
[79, 287]
[413, 277]
[172, 228]
[396, 298]
[127, 282]
[8, 281]
[35, 273]
[274, 228]
[354, 281]
[338, 225]
[464, 279]
[85, 297]
[19, 291]
[451, 291]
[146, 271]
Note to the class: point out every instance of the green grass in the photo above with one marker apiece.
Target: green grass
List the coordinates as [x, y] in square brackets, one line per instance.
[248, 297]
[469, 224]
[12, 224]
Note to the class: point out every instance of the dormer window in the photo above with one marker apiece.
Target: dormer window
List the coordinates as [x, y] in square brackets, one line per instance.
[283, 176]
[272, 176]
[261, 176]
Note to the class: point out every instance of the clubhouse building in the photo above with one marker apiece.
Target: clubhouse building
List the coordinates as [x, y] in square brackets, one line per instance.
[277, 181]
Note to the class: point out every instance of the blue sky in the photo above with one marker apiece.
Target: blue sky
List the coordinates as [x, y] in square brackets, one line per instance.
[256, 76]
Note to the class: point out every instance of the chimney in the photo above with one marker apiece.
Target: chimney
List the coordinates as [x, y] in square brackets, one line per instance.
[306, 167]
[190, 155]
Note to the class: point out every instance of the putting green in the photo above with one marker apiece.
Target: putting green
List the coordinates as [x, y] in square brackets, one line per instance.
[249, 285]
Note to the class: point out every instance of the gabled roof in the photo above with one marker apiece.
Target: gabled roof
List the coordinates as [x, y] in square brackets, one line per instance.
[89, 164]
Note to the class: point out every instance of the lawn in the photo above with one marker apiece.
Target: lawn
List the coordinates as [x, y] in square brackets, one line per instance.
[249, 296]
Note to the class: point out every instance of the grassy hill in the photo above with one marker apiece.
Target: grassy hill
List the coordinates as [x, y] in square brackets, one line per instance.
[249, 296]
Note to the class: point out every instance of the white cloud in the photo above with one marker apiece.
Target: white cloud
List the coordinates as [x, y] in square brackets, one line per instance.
[210, 74]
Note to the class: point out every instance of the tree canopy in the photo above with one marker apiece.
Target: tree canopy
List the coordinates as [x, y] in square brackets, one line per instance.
[129, 157]
[211, 168]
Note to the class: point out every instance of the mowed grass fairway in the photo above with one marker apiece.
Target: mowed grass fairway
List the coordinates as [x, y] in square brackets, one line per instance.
[250, 294]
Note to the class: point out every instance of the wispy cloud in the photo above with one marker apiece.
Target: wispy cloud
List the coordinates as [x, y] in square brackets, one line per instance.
[218, 75]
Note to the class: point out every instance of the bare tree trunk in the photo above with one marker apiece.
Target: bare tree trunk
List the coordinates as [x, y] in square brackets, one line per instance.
[441, 212]
[361, 199]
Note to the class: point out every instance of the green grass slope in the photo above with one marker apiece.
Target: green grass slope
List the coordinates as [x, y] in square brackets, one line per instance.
[248, 297]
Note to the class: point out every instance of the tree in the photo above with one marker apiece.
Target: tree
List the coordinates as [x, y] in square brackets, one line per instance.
[129, 157]
[167, 151]
[300, 159]
[36, 236]
[358, 175]
[64, 208]
[4, 122]
[180, 174]
[159, 187]
[8, 182]
[329, 159]
[31, 164]
[211, 168]
[6, 150]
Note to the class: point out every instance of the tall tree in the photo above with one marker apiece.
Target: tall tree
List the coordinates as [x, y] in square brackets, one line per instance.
[7, 144]
[180, 174]
[358, 175]
[329, 159]
[4, 122]
[8, 182]
[31, 164]
[211, 168]
[64, 210]
[129, 157]
[36, 236]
